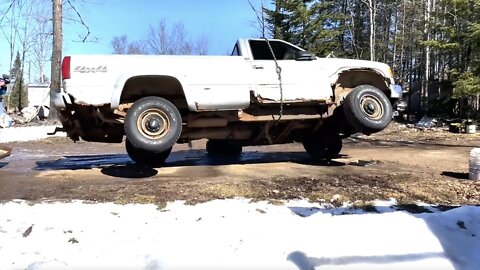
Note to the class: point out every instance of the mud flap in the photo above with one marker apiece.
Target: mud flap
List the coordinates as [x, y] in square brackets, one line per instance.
[5, 151]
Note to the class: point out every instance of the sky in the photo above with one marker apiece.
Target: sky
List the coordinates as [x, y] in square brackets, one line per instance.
[221, 21]
[235, 234]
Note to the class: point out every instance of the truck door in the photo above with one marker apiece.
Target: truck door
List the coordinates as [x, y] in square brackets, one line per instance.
[218, 83]
[301, 80]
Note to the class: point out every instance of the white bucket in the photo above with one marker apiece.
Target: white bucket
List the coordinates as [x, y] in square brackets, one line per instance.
[470, 129]
[474, 171]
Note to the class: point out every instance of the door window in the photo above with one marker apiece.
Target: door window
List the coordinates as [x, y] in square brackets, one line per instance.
[282, 51]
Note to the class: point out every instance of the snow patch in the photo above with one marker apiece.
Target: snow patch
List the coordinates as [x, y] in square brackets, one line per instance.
[14, 134]
[234, 233]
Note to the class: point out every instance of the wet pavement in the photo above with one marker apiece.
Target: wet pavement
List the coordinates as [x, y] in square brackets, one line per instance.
[366, 169]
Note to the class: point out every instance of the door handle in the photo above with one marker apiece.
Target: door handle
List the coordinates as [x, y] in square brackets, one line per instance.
[257, 67]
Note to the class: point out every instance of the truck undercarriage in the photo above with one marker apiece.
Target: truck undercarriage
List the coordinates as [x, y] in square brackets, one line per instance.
[257, 125]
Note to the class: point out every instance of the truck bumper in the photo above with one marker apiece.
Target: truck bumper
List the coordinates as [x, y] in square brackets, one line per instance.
[396, 91]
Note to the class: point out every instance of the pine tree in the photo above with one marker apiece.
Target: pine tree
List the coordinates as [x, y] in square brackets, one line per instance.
[327, 28]
[17, 67]
[18, 96]
[433, 46]
[291, 21]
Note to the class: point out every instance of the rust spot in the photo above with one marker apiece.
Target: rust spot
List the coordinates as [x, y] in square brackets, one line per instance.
[246, 117]
[341, 92]
[122, 109]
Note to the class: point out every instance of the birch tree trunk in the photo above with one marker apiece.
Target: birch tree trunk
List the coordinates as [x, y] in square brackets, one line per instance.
[395, 30]
[426, 78]
[402, 46]
[371, 9]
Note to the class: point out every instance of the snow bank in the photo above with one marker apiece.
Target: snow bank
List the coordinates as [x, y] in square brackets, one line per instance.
[233, 234]
[13, 134]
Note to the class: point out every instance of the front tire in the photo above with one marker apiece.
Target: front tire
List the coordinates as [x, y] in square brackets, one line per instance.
[368, 109]
[146, 158]
[153, 124]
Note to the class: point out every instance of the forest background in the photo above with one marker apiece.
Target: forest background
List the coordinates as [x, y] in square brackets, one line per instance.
[433, 46]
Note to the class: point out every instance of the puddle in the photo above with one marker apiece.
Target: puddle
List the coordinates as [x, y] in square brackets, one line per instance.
[27, 154]
[356, 162]
[201, 157]
[363, 163]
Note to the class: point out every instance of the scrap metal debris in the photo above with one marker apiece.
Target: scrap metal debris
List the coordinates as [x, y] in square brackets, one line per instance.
[427, 122]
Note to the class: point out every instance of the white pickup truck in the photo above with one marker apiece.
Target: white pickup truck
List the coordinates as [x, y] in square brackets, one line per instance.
[265, 92]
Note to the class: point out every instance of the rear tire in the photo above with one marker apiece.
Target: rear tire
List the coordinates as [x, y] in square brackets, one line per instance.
[324, 146]
[223, 148]
[368, 109]
[146, 158]
[153, 124]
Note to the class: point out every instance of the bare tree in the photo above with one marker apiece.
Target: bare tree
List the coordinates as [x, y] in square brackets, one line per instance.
[136, 47]
[42, 41]
[261, 18]
[121, 45]
[56, 75]
[179, 41]
[158, 39]
[9, 34]
[19, 36]
[164, 41]
[29, 31]
[372, 14]
[426, 36]
[77, 18]
[201, 45]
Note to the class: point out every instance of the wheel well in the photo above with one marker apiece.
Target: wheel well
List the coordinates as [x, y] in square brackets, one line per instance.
[350, 79]
[167, 87]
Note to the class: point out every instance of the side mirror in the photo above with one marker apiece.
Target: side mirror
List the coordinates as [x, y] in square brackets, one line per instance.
[304, 56]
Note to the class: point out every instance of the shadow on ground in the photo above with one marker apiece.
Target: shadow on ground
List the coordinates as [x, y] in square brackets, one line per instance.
[393, 143]
[452, 233]
[121, 165]
[457, 175]
[129, 171]
[303, 262]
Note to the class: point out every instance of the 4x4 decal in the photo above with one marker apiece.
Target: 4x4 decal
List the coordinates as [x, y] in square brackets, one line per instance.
[84, 69]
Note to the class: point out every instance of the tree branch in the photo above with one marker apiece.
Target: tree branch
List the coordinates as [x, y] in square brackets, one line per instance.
[261, 20]
[6, 12]
[81, 20]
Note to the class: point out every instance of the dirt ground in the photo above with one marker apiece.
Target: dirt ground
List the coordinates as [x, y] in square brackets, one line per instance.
[404, 163]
